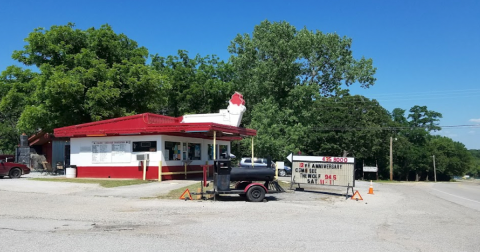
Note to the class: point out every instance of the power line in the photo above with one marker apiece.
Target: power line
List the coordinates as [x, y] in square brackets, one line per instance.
[392, 128]
[386, 97]
[432, 92]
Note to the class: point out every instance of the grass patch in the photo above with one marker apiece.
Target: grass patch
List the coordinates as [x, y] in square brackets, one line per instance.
[285, 184]
[108, 183]
[175, 194]
[404, 181]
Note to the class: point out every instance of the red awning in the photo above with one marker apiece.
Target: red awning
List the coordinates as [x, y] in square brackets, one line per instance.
[153, 124]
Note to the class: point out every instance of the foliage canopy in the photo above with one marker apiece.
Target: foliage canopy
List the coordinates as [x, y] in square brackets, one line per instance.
[295, 82]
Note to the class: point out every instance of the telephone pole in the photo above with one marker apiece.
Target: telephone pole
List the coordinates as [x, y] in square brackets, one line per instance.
[434, 169]
[391, 160]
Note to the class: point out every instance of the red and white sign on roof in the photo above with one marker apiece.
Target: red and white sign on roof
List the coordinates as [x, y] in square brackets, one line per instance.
[232, 116]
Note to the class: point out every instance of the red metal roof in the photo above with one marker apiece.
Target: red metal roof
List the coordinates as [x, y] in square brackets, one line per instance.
[151, 124]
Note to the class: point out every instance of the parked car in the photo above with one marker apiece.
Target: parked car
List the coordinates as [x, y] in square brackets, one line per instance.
[13, 170]
[7, 158]
[262, 162]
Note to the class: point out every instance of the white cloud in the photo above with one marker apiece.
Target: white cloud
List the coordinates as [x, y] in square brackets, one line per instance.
[475, 120]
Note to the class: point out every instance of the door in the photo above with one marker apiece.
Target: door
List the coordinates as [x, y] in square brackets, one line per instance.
[67, 156]
[3, 168]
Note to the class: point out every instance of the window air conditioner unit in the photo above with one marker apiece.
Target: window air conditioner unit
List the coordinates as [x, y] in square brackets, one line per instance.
[141, 157]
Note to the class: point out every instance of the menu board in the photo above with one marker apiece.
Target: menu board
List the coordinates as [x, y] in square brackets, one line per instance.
[111, 152]
[101, 152]
[121, 152]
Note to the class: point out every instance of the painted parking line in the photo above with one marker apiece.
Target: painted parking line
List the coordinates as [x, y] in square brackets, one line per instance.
[457, 196]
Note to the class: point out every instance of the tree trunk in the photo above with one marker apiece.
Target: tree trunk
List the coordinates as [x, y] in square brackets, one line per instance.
[416, 176]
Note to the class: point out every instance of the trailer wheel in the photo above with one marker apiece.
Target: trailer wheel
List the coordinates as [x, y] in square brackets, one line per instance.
[255, 194]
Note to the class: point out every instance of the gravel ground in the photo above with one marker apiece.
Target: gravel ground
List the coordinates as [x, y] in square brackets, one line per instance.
[34, 216]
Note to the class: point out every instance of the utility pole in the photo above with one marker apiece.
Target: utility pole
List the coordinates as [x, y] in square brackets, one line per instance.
[391, 160]
[434, 169]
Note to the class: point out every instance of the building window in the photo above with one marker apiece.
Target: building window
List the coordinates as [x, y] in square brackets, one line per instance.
[210, 152]
[173, 151]
[150, 146]
[194, 151]
[221, 152]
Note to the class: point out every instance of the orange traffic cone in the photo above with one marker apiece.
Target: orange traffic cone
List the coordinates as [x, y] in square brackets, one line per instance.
[370, 190]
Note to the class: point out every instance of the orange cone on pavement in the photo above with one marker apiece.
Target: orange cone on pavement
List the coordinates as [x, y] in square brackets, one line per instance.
[370, 190]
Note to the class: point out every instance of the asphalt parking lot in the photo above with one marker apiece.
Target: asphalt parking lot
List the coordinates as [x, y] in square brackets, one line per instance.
[53, 216]
[155, 189]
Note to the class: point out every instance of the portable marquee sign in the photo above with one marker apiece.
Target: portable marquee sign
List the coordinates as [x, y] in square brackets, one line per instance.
[322, 170]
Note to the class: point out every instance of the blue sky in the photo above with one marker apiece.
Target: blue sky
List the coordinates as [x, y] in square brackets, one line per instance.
[427, 52]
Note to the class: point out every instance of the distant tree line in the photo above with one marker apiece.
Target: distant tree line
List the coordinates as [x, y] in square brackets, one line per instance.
[295, 83]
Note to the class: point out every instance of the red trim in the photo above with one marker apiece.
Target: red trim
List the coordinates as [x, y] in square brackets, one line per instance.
[181, 168]
[136, 172]
[148, 124]
[254, 184]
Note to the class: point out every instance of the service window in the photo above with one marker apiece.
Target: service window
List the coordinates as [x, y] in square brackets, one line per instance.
[194, 151]
[150, 146]
[224, 151]
[221, 151]
[210, 151]
[173, 151]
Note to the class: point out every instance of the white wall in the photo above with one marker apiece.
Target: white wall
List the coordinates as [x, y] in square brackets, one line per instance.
[81, 150]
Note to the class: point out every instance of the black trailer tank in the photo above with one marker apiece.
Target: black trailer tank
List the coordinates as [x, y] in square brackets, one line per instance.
[252, 174]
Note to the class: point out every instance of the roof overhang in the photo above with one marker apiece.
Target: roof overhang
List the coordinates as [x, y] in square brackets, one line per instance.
[42, 138]
[150, 124]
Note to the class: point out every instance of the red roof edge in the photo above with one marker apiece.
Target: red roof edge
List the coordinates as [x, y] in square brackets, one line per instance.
[148, 124]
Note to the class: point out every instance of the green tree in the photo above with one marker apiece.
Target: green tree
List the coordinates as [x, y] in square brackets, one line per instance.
[198, 85]
[289, 69]
[451, 158]
[475, 168]
[16, 87]
[87, 75]
[351, 125]
[411, 153]
[422, 122]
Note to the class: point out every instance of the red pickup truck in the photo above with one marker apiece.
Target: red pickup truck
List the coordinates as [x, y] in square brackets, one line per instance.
[13, 170]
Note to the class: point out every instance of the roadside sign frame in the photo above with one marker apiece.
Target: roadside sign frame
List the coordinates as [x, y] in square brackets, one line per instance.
[318, 165]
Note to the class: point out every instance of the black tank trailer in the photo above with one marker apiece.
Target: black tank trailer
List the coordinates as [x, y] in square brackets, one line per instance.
[248, 181]
[252, 174]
